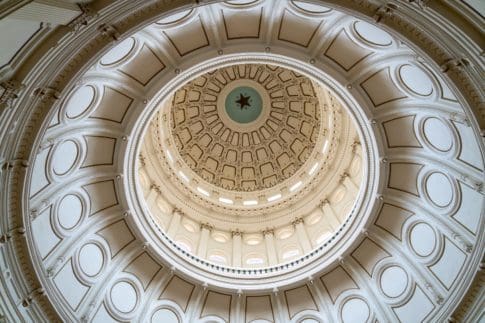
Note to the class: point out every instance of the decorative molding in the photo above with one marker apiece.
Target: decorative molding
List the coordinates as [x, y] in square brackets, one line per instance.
[77, 51]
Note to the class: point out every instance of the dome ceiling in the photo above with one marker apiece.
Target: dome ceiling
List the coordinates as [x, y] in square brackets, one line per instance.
[235, 153]
[102, 226]
[297, 164]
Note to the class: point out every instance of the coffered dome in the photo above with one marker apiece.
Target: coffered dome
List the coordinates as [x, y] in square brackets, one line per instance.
[297, 163]
[246, 127]
[242, 161]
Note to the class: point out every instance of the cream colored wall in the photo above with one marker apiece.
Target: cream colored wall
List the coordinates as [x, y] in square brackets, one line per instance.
[416, 258]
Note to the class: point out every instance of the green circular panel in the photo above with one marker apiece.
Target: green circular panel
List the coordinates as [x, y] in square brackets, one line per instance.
[244, 104]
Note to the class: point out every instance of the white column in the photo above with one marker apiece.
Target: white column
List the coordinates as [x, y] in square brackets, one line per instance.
[302, 235]
[349, 184]
[203, 240]
[153, 194]
[173, 227]
[236, 248]
[330, 215]
[270, 247]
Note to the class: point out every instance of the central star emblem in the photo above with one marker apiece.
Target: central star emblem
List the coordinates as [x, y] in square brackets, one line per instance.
[243, 101]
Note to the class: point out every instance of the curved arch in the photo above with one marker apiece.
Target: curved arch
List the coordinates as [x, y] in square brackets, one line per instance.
[460, 232]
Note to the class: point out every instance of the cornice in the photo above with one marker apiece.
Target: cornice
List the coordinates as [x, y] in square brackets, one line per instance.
[77, 50]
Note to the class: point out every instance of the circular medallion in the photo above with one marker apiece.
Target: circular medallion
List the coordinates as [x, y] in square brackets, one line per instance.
[243, 104]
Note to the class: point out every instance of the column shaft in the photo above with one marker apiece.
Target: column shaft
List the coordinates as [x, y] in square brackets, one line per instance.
[330, 216]
[303, 237]
[236, 250]
[174, 224]
[270, 249]
[350, 185]
[152, 195]
[204, 238]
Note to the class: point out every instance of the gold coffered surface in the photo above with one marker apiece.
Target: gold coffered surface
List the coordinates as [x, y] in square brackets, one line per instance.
[246, 157]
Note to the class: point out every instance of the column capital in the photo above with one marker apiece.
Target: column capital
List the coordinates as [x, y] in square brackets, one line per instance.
[268, 231]
[142, 160]
[155, 187]
[236, 233]
[324, 201]
[206, 226]
[354, 145]
[298, 221]
[343, 176]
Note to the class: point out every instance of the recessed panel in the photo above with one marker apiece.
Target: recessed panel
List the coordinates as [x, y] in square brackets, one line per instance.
[450, 264]
[471, 208]
[69, 286]
[178, 291]
[394, 281]
[381, 89]
[80, 101]
[438, 134]
[345, 52]
[299, 299]
[423, 239]
[217, 304]
[239, 26]
[404, 177]
[338, 281]
[297, 30]
[372, 34]
[416, 309]
[259, 308]
[190, 37]
[69, 211]
[144, 66]
[64, 157]
[113, 106]
[400, 132]
[416, 80]
[439, 189]
[91, 259]
[368, 254]
[164, 315]
[43, 232]
[124, 296]
[39, 179]
[355, 310]
[118, 52]
[99, 151]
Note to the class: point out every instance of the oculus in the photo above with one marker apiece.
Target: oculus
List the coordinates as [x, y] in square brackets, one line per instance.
[243, 104]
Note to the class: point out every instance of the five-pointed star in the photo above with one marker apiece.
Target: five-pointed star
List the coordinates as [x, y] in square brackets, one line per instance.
[243, 101]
